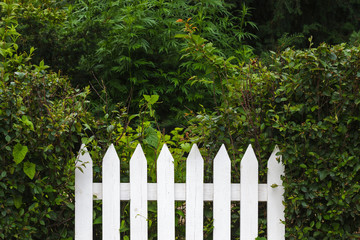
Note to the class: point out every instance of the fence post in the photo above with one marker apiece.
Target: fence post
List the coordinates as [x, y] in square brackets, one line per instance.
[275, 207]
[165, 195]
[138, 196]
[222, 195]
[83, 196]
[249, 195]
[111, 195]
[194, 194]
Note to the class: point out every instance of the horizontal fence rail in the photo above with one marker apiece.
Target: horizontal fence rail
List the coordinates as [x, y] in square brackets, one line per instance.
[138, 191]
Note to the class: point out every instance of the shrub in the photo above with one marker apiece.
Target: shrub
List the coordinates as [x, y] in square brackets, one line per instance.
[40, 115]
[307, 102]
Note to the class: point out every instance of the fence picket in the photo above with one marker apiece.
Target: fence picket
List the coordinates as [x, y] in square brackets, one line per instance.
[83, 196]
[166, 195]
[222, 195]
[138, 196]
[275, 207]
[249, 195]
[194, 194]
[111, 195]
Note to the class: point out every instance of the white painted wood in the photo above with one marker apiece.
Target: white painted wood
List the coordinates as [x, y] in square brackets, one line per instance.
[111, 195]
[194, 192]
[249, 196]
[180, 191]
[165, 195]
[83, 196]
[222, 195]
[275, 206]
[194, 195]
[138, 196]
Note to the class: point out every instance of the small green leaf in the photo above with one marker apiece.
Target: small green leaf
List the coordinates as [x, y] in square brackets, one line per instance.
[98, 220]
[29, 169]
[151, 137]
[110, 128]
[17, 201]
[318, 225]
[151, 99]
[302, 165]
[186, 147]
[181, 36]
[19, 153]
[323, 175]
[27, 122]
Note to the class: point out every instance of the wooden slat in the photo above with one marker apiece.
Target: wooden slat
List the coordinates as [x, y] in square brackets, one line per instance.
[222, 196]
[83, 196]
[275, 207]
[111, 195]
[166, 195]
[180, 191]
[249, 196]
[138, 196]
[194, 195]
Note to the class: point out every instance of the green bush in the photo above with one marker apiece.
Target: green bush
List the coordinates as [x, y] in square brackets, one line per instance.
[40, 115]
[129, 48]
[307, 102]
[316, 112]
[43, 121]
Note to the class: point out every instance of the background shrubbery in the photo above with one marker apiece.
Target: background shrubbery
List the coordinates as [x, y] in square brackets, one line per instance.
[306, 102]
[136, 53]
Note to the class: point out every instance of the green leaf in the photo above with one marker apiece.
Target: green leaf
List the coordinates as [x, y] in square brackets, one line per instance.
[181, 36]
[151, 137]
[17, 201]
[151, 99]
[186, 147]
[19, 153]
[29, 169]
[27, 122]
[98, 220]
[323, 174]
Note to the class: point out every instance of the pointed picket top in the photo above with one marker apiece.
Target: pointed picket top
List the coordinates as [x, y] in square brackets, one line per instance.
[249, 195]
[138, 195]
[83, 195]
[111, 155]
[275, 215]
[249, 158]
[276, 166]
[111, 194]
[165, 195]
[165, 155]
[194, 194]
[222, 195]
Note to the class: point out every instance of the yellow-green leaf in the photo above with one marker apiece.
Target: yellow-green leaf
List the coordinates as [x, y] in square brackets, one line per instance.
[29, 169]
[17, 201]
[19, 153]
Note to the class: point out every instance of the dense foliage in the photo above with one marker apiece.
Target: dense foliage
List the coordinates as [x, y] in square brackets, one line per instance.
[291, 22]
[136, 59]
[39, 113]
[307, 102]
[128, 48]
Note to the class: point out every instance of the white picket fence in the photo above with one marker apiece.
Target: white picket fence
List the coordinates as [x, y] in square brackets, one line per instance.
[249, 192]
